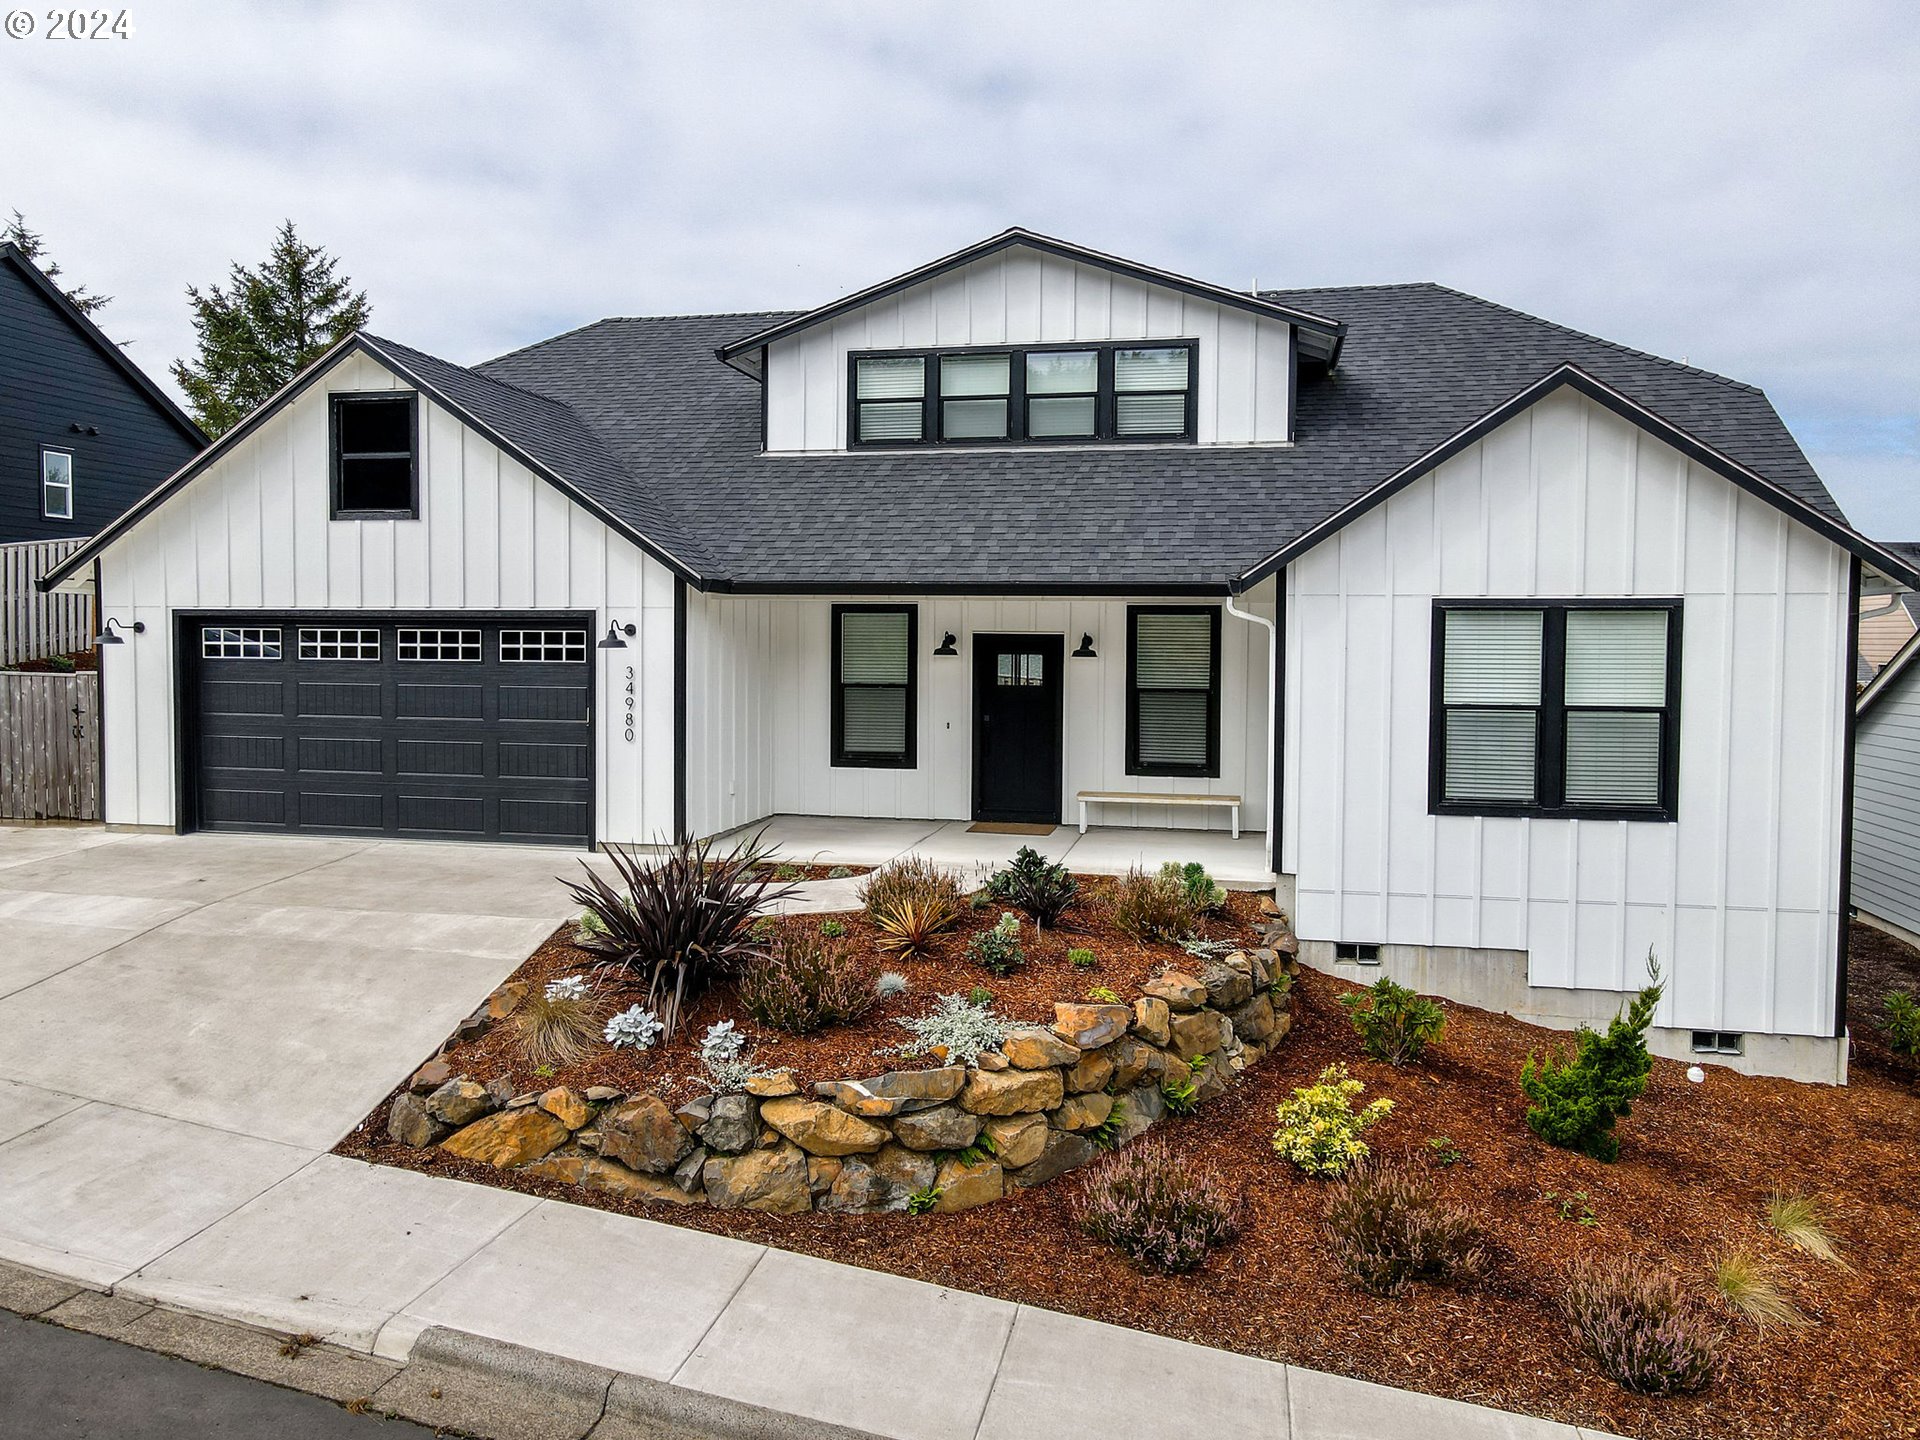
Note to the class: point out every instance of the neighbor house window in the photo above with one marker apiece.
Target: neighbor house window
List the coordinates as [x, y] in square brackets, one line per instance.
[376, 455]
[1568, 709]
[1112, 393]
[56, 484]
[1173, 690]
[874, 684]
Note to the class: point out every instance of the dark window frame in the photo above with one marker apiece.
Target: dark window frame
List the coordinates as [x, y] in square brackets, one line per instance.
[1550, 742]
[72, 482]
[337, 401]
[907, 759]
[1210, 769]
[1105, 427]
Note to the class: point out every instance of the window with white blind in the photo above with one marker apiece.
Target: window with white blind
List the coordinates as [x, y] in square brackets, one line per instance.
[1173, 690]
[1563, 709]
[1110, 393]
[875, 686]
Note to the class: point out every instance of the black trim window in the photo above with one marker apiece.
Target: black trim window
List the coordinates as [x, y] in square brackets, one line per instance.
[875, 685]
[376, 453]
[1173, 690]
[56, 484]
[222, 642]
[1114, 393]
[1557, 710]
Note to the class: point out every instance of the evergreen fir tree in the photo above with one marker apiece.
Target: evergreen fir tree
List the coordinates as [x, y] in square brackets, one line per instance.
[264, 328]
[34, 248]
[1576, 1101]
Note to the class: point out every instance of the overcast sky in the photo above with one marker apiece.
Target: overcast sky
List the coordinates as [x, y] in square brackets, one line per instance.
[1735, 185]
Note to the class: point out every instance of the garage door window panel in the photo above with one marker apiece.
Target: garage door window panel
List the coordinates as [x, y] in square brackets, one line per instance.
[460, 646]
[239, 643]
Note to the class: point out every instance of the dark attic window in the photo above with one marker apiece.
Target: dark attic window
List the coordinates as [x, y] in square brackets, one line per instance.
[376, 456]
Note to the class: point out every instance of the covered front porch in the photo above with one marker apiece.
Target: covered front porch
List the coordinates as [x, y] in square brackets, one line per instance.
[1240, 864]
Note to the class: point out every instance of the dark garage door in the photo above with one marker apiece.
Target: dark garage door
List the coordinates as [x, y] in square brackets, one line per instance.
[432, 726]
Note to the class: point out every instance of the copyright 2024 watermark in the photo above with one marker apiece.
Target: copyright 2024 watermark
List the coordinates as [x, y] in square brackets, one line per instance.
[70, 25]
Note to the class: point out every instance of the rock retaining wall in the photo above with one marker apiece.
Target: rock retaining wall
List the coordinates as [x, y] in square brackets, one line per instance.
[945, 1138]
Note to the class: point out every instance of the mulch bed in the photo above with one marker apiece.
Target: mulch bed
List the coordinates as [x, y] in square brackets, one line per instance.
[1877, 965]
[1697, 1166]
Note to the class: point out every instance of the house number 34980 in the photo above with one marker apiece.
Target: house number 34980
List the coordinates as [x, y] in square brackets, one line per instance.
[628, 700]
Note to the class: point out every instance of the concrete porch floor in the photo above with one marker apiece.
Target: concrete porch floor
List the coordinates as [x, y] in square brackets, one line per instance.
[1104, 850]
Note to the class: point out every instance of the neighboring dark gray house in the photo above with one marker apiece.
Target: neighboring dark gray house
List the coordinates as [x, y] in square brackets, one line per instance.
[84, 433]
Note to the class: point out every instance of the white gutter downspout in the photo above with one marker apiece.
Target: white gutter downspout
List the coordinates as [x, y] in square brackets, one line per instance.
[1274, 688]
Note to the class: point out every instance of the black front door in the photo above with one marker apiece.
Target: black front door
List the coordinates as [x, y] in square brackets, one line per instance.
[1017, 690]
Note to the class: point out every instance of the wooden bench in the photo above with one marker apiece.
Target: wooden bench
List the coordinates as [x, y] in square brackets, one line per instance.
[1128, 797]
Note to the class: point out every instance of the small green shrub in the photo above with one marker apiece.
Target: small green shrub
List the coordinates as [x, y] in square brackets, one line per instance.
[1576, 1207]
[922, 1201]
[839, 872]
[1182, 1092]
[1204, 895]
[998, 950]
[1388, 1228]
[833, 929]
[980, 995]
[1443, 1152]
[1103, 995]
[1036, 885]
[1394, 1024]
[1319, 1128]
[1575, 1101]
[1903, 1024]
[980, 900]
[1082, 959]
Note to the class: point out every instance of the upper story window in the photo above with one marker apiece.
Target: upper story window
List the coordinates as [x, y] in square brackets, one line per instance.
[56, 484]
[1566, 710]
[376, 456]
[1129, 392]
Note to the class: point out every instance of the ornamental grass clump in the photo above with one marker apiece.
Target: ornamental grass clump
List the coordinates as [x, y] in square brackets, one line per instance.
[679, 921]
[1747, 1287]
[1154, 907]
[1801, 1220]
[1163, 1212]
[911, 902]
[559, 1023]
[1388, 1227]
[1577, 1099]
[806, 981]
[1032, 883]
[1393, 1023]
[1646, 1331]
[1319, 1128]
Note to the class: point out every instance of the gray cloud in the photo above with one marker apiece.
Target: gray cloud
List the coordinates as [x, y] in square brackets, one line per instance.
[1735, 184]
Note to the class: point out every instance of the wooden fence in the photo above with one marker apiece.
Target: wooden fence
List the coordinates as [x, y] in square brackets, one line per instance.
[34, 626]
[49, 745]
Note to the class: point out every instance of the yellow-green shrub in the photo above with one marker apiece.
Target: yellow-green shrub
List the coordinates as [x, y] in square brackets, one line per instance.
[1319, 1128]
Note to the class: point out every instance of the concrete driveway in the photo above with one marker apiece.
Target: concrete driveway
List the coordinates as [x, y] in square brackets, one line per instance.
[272, 988]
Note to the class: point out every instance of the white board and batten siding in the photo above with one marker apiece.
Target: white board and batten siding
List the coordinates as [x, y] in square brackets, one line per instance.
[253, 532]
[1740, 896]
[1021, 297]
[1886, 804]
[759, 698]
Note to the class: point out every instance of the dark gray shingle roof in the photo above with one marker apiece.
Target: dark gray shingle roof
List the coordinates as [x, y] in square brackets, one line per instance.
[1421, 362]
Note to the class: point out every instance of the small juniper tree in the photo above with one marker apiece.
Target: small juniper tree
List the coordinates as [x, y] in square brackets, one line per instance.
[264, 328]
[1576, 1101]
[29, 244]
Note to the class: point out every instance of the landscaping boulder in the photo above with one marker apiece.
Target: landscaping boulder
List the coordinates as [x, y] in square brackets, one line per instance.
[643, 1135]
[895, 1093]
[1093, 1072]
[1180, 990]
[991, 1060]
[567, 1169]
[604, 1094]
[1200, 1032]
[1033, 1048]
[695, 1113]
[507, 999]
[1150, 1017]
[1083, 1112]
[614, 1179]
[501, 1089]
[822, 1171]
[946, 1127]
[1269, 906]
[1253, 1022]
[1141, 1109]
[1017, 1139]
[1089, 1025]
[410, 1123]
[508, 1138]
[1012, 1092]
[430, 1076]
[1064, 1151]
[822, 1129]
[567, 1105]
[687, 1174]
[733, 1124]
[773, 1086]
[963, 1185]
[1132, 1060]
[774, 1179]
[460, 1102]
[1227, 985]
[866, 1184]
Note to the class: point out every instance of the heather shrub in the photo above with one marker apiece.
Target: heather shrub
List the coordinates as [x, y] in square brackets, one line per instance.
[558, 1024]
[908, 878]
[1033, 884]
[999, 949]
[1163, 1212]
[805, 981]
[1387, 1228]
[1393, 1023]
[1645, 1330]
[1319, 1128]
[1153, 907]
[1576, 1100]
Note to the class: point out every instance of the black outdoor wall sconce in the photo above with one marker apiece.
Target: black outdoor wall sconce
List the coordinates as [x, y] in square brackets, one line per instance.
[1086, 651]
